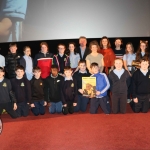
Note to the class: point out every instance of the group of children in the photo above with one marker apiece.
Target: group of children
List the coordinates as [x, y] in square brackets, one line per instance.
[56, 80]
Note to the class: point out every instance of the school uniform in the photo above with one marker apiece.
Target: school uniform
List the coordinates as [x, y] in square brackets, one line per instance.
[68, 95]
[102, 85]
[37, 96]
[22, 90]
[119, 82]
[7, 98]
[61, 61]
[141, 90]
[82, 100]
[52, 91]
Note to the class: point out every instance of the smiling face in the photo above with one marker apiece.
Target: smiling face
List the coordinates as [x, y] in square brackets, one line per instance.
[82, 42]
[44, 49]
[61, 49]
[95, 69]
[19, 73]
[68, 73]
[129, 48]
[37, 74]
[118, 43]
[2, 74]
[94, 48]
[27, 51]
[82, 67]
[104, 42]
[118, 64]
[71, 47]
[143, 47]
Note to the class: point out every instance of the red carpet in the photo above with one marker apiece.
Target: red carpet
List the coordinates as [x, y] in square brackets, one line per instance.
[77, 132]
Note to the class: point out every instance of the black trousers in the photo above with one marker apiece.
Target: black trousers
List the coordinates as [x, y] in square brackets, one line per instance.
[142, 105]
[9, 108]
[119, 102]
[68, 109]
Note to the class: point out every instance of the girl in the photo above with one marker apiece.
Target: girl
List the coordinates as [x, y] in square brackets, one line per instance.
[119, 52]
[74, 56]
[94, 56]
[119, 82]
[107, 52]
[142, 51]
[27, 62]
[127, 60]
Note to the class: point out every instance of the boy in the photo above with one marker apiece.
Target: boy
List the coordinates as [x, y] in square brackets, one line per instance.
[7, 98]
[141, 87]
[82, 100]
[119, 83]
[102, 85]
[68, 92]
[61, 59]
[52, 90]
[37, 92]
[22, 89]
[12, 60]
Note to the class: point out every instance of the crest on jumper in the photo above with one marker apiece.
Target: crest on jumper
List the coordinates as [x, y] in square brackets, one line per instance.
[72, 85]
[41, 83]
[4, 85]
[22, 84]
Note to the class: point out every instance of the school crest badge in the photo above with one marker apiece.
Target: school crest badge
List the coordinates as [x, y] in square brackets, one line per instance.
[72, 85]
[64, 59]
[4, 85]
[149, 76]
[41, 83]
[22, 84]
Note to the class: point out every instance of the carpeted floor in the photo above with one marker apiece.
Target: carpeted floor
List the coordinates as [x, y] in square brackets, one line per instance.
[79, 131]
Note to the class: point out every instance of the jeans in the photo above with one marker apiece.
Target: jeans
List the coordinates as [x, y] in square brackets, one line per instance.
[55, 107]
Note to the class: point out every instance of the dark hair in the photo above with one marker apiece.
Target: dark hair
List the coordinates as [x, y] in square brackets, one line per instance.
[68, 51]
[19, 67]
[108, 44]
[2, 69]
[144, 59]
[81, 61]
[54, 67]
[120, 40]
[12, 44]
[138, 53]
[36, 68]
[67, 68]
[94, 64]
[82, 37]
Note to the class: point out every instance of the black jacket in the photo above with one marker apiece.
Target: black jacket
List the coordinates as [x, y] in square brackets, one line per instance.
[52, 88]
[119, 86]
[140, 83]
[69, 91]
[87, 52]
[78, 76]
[41, 55]
[37, 90]
[6, 94]
[11, 61]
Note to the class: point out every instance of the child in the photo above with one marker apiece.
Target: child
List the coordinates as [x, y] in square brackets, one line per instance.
[119, 82]
[119, 51]
[141, 87]
[127, 60]
[143, 51]
[74, 56]
[7, 100]
[102, 85]
[107, 52]
[22, 89]
[37, 99]
[61, 59]
[52, 90]
[27, 62]
[12, 60]
[68, 92]
[44, 60]
[82, 100]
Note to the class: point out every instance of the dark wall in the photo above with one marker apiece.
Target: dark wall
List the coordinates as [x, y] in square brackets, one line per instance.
[35, 45]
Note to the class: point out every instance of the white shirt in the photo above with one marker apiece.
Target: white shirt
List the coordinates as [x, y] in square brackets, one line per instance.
[2, 61]
[74, 59]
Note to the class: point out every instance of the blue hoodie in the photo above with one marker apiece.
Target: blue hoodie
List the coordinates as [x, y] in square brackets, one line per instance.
[102, 84]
